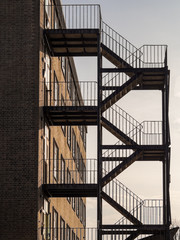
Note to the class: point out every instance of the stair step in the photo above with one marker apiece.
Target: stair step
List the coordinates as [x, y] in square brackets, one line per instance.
[121, 167]
[120, 209]
[121, 91]
[116, 132]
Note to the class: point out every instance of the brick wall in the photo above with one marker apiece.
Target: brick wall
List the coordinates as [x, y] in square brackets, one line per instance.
[19, 76]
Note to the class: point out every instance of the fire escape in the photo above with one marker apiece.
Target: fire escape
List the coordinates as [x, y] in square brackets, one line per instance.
[83, 33]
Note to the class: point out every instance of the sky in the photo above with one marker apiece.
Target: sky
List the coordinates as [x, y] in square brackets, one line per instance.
[142, 22]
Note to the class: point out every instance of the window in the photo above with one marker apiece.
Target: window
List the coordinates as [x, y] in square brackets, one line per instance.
[48, 8]
[84, 215]
[63, 66]
[55, 225]
[81, 209]
[47, 138]
[73, 235]
[68, 182]
[46, 152]
[55, 160]
[73, 200]
[73, 94]
[84, 136]
[62, 229]
[78, 157]
[69, 80]
[47, 77]
[62, 170]
[84, 172]
[56, 91]
[46, 221]
[69, 136]
[63, 104]
[77, 207]
[68, 233]
[73, 145]
[56, 20]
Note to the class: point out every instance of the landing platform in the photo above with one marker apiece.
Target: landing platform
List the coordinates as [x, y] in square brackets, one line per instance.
[71, 115]
[70, 190]
[72, 42]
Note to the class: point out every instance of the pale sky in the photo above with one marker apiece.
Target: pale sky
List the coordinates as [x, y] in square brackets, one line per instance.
[142, 22]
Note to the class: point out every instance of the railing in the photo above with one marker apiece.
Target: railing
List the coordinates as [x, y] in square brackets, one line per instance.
[123, 121]
[124, 197]
[114, 79]
[145, 133]
[83, 93]
[119, 45]
[150, 211]
[122, 155]
[69, 171]
[68, 233]
[85, 234]
[76, 16]
[151, 133]
[153, 56]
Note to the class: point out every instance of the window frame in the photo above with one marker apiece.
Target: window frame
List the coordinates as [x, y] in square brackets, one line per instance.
[63, 104]
[55, 170]
[48, 14]
[68, 182]
[62, 227]
[69, 136]
[63, 169]
[56, 90]
[63, 66]
[55, 233]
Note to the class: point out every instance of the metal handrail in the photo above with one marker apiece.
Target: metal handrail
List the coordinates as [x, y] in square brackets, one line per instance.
[75, 16]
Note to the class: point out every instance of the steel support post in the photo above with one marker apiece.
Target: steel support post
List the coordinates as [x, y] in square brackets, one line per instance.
[166, 162]
[99, 140]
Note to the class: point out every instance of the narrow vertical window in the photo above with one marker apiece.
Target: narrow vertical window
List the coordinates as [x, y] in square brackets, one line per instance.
[73, 145]
[62, 170]
[63, 104]
[68, 233]
[62, 229]
[69, 136]
[55, 160]
[63, 66]
[46, 152]
[46, 221]
[68, 182]
[55, 225]
[77, 207]
[48, 13]
[73, 235]
[56, 20]
[47, 77]
[73, 200]
[47, 135]
[56, 91]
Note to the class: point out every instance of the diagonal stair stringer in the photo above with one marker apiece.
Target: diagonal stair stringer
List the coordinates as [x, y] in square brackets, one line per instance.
[115, 59]
[121, 167]
[117, 132]
[120, 209]
[121, 91]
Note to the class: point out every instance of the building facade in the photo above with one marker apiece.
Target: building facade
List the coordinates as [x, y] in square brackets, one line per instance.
[34, 153]
[45, 111]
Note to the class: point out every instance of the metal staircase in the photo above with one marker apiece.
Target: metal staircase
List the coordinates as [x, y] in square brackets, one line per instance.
[83, 33]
